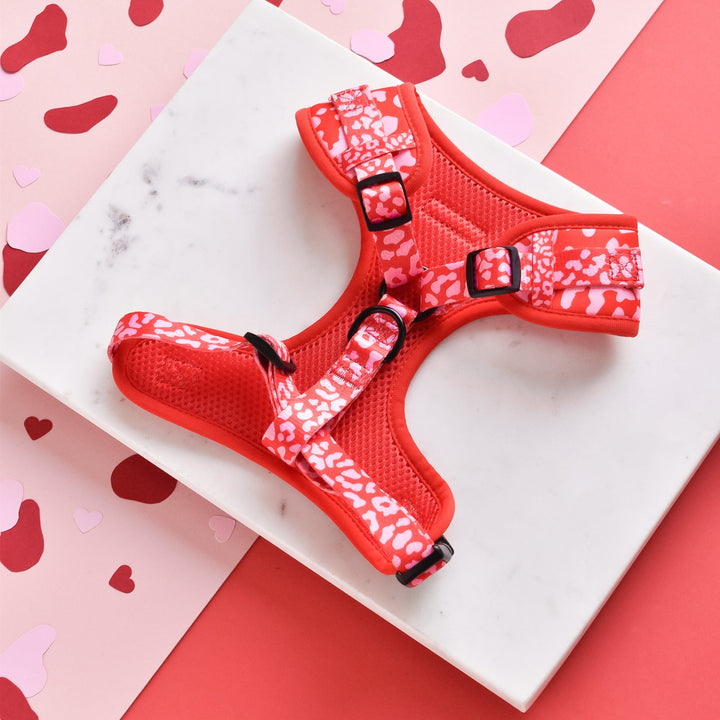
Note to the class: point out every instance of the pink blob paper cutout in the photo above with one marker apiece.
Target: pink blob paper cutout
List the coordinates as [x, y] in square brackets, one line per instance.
[509, 119]
[336, 6]
[121, 580]
[196, 57]
[418, 56]
[17, 265]
[46, 35]
[25, 176]
[21, 547]
[10, 85]
[108, 55]
[22, 662]
[11, 495]
[155, 110]
[476, 69]
[530, 32]
[34, 229]
[87, 520]
[13, 704]
[222, 526]
[373, 45]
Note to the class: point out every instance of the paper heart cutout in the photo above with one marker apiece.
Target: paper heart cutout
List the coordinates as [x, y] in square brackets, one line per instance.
[36, 428]
[22, 662]
[10, 85]
[11, 495]
[196, 57]
[121, 579]
[155, 110]
[25, 176]
[222, 526]
[373, 45]
[86, 520]
[46, 35]
[476, 69]
[108, 55]
[34, 229]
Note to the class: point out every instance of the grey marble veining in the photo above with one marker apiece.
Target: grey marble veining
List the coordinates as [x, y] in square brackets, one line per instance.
[563, 450]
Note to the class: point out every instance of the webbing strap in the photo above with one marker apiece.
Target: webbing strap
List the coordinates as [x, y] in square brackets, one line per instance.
[548, 261]
[370, 155]
[301, 436]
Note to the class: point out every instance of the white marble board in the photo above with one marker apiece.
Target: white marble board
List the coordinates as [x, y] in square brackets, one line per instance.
[218, 217]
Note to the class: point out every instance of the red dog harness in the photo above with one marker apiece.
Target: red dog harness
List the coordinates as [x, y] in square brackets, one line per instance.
[443, 243]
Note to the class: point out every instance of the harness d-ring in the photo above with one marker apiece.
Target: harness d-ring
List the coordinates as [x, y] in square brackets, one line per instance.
[390, 312]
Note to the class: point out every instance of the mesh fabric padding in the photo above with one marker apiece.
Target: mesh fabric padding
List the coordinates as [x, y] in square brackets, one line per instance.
[452, 215]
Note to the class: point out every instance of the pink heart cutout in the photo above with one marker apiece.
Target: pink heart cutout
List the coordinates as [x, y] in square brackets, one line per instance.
[25, 176]
[34, 229]
[222, 526]
[108, 55]
[373, 45]
[22, 662]
[86, 520]
[196, 57]
[11, 495]
[10, 85]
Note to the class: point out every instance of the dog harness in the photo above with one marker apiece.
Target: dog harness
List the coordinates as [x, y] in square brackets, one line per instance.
[443, 243]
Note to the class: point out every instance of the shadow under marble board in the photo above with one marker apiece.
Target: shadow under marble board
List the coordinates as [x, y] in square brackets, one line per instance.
[217, 217]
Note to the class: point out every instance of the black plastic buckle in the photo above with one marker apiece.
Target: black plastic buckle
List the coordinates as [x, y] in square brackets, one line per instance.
[515, 273]
[267, 351]
[384, 310]
[383, 179]
[442, 552]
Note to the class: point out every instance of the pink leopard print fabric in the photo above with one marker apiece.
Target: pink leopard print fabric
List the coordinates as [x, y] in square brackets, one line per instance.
[558, 270]
[300, 436]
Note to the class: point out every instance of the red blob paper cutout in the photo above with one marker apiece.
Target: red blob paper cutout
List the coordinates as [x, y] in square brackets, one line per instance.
[17, 265]
[46, 35]
[530, 32]
[13, 705]
[476, 69]
[143, 12]
[121, 579]
[136, 478]
[80, 118]
[22, 545]
[418, 56]
[36, 428]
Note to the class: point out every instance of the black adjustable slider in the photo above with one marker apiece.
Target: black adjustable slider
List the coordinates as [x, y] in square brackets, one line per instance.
[515, 273]
[375, 181]
[268, 353]
[442, 552]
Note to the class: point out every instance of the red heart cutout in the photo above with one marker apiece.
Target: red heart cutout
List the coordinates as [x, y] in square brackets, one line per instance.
[21, 547]
[476, 69]
[121, 579]
[37, 428]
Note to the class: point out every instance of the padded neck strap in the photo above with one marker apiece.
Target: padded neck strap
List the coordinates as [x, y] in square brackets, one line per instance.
[564, 270]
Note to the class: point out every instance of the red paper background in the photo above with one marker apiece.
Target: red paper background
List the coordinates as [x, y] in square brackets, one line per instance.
[279, 642]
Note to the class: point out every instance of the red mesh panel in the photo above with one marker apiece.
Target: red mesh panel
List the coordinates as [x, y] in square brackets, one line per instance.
[452, 216]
